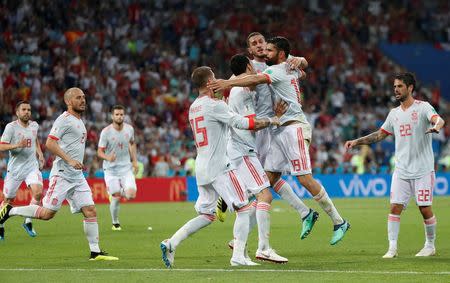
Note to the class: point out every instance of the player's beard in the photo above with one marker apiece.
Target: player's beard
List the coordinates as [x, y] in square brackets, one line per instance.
[402, 97]
[24, 119]
[118, 123]
[270, 62]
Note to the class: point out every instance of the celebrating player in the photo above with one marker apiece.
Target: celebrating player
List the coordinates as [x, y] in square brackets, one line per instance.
[115, 147]
[67, 140]
[20, 139]
[242, 151]
[414, 174]
[210, 119]
[289, 144]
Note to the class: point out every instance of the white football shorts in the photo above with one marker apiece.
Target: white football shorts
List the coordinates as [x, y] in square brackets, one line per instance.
[251, 173]
[116, 184]
[11, 185]
[422, 189]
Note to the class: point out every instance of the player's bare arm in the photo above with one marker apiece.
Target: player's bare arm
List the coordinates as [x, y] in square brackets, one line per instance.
[55, 149]
[133, 154]
[438, 123]
[40, 154]
[6, 146]
[297, 63]
[369, 139]
[108, 157]
[245, 81]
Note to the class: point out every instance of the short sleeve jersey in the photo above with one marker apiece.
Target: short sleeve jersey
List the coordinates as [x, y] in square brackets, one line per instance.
[21, 160]
[70, 133]
[112, 140]
[413, 150]
[264, 95]
[284, 83]
[210, 120]
[241, 142]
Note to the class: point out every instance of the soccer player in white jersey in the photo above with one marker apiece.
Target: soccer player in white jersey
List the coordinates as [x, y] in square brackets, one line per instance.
[67, 140]
[242, 151]
[256, 47]
[210, 119]
[118, 150]
[411, 125]
[289, 145]
[20, 139]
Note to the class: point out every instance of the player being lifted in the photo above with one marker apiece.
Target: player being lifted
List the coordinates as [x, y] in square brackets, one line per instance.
[67, 141]
[20, 139]
[115, 147]
[289, 144]
[410, 124]
[210, 120]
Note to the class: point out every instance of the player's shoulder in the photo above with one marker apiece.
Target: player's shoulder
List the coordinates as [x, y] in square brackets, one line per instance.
[128, 127]
[106, 129]
[12, 124]
[422, 103]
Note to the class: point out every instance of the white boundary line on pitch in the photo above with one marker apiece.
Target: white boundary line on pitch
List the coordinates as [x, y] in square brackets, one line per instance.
[230, 270]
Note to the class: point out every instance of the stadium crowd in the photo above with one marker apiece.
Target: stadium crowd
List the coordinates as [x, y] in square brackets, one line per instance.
[140, 54]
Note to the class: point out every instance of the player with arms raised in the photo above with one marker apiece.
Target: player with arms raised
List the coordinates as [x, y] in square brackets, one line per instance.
[410, 124]
[115, 147]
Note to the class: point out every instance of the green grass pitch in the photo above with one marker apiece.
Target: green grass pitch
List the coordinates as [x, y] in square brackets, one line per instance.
[60, 251]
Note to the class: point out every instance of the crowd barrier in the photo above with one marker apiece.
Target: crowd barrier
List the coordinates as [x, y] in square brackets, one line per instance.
[185, 188]
[149, 190]
[345, 185]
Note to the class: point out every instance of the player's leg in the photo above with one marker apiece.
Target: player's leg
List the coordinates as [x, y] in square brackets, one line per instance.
[257, 183]
[80, 200]
[130, 186]
[296, 148]
[281, 158]
[400, 195]
[50, 205]
[10, 188]
[424, 198]
[34, 183]
[204, 206]
[114, 188]
[231, 188]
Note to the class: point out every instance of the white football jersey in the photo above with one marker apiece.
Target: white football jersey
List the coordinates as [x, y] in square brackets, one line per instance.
[284, 83]
[112, 140]
[210, 120]
[264, 96]
[21, 160]
[413, 150]
[241, 142]
[70, 133]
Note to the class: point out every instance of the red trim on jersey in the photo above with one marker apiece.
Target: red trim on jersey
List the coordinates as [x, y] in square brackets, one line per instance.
[53, 137]
[268, 77]
[386, 132]
[251, 123]
[102, 147]
[4, 142]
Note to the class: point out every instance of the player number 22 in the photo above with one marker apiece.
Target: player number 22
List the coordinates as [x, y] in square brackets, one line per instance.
[197, 129]
[405, 130]
[424, 195]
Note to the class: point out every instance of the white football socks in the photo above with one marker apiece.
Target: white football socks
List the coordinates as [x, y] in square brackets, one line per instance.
[263, 217]
[393, 230]
[90, 226]
[114, 207]
[430, 231]
[31, 211]
[287, 193]
[189, 228]
[240, 232]
[327, 205]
